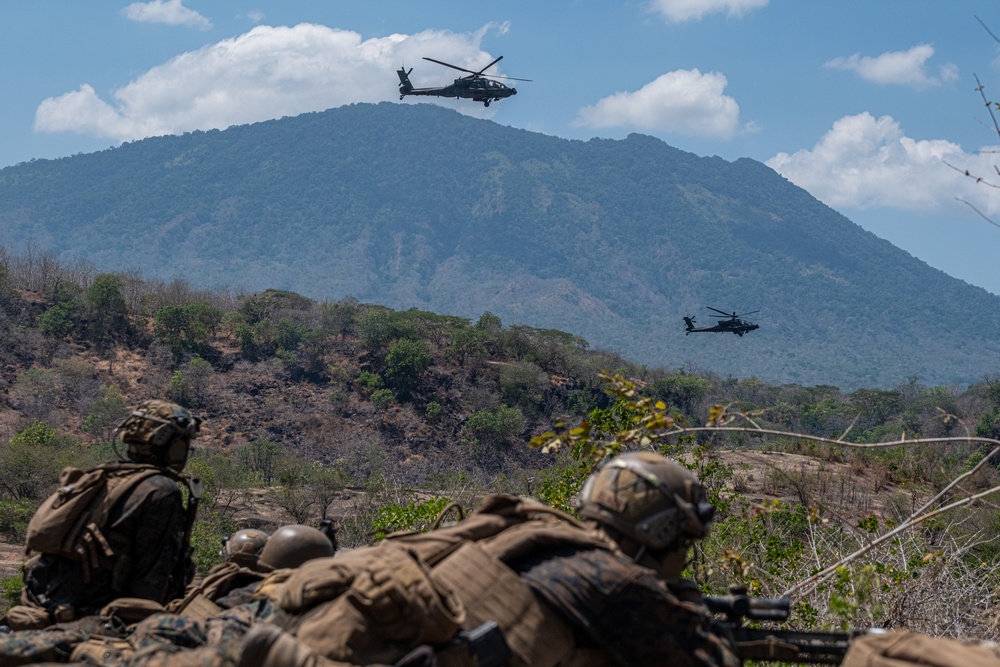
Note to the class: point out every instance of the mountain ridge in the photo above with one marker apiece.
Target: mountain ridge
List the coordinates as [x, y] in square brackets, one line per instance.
[612, 240]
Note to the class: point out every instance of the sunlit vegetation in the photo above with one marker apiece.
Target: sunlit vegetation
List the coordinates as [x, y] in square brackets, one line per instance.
[380, 419]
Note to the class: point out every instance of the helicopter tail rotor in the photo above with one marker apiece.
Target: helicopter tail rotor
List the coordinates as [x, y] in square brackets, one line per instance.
[404, 81]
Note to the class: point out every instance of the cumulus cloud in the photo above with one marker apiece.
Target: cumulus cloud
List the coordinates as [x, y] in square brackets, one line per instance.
[683, 102]
[268, 72]
[864, 162]
[902, 68]
[170, 12]
[678, 11]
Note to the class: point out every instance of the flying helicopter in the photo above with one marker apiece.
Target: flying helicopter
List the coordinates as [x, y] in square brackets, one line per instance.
[727, 322]
[476, 86]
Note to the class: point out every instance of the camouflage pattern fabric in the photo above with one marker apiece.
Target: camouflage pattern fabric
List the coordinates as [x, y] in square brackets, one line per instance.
[625, 609]
[52, 644]
[169, 640]
[148, 529]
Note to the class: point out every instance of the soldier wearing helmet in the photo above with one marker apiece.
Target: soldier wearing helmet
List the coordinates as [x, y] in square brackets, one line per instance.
[243, 547]
[604, 591]
[651, 507]
[139, 548]
[650, 510]
[292, 545]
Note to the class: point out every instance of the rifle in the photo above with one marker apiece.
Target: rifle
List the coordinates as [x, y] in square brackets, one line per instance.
[196, 487]
[772, 644]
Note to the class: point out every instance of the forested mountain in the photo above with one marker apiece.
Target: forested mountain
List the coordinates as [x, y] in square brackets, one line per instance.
[415, 206]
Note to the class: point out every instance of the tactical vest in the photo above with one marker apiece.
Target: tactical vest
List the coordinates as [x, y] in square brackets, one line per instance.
[374, 604]
[199, 600]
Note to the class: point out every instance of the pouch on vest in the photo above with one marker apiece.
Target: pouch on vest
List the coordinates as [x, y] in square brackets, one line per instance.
[199, 599]
[70, 523]
[131, 610]
[381, 602]
[903, 648]
[26, 617]
[491, 591]
[102, 651]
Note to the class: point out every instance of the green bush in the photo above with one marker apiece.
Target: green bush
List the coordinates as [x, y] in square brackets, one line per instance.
[412, 516]
[10, 592]
[495, 426]
[382, 398]
[14, 517]
[57, 321]
[369, 381]
[523, 384]
[405, 362]
[206, 537]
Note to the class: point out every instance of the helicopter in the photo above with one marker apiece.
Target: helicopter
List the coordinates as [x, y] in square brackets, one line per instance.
[476, 86]
[727, 322]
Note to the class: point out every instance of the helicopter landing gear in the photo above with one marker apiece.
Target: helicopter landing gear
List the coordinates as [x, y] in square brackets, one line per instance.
[486, 103]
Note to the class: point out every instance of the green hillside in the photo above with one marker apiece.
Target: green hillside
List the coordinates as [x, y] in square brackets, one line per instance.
[414, 206]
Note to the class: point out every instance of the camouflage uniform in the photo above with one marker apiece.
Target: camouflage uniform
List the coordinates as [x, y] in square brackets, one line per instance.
[148, 531]
[53, 644]
[168, 640]
[599, 594]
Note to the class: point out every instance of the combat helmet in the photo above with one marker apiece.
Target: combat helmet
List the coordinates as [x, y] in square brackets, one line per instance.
[159, 432]
[292, 545]
[648, 499]
[244, 547]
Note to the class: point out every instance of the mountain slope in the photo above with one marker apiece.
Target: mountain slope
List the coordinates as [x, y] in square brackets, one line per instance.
[418, 206]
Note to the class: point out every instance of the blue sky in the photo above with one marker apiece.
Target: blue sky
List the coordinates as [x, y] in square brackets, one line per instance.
[871, 106]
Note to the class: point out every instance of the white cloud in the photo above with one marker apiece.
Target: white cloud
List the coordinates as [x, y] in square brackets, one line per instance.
[268, 72]
[864, 162]
[903, 68]
[678, 11]
[255, 16]
[171, 12]
[683, 102]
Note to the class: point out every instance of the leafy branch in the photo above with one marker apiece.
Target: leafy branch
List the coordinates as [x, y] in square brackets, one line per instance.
[645, 423]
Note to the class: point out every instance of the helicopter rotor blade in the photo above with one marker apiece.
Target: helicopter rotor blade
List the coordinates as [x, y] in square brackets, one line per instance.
[500, 76]
[750, 313]
[721, 311]
[480, 72]
[460, 69]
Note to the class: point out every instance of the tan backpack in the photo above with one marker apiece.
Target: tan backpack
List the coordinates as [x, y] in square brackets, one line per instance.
[374, 604]
[70, 523]
[902, 648]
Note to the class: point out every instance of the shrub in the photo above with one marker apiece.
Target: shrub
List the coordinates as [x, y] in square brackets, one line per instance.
[383, 398]
[433, 411]
[495, 426]
[405, 362]
[412, 516]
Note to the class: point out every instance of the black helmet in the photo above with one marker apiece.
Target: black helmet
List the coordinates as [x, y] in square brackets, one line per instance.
[649, 499]
[292, 545]
[159, 432]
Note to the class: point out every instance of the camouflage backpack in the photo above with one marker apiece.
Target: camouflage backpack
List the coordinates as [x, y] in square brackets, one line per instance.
[70, 523]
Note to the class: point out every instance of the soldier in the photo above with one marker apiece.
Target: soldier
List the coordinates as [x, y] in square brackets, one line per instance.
[243, 547]
[203, 629]
[561, 590]
[248, 555]
[134, 540]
